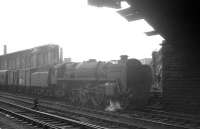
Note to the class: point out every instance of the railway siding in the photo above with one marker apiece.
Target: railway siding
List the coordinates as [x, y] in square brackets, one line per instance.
[153, 120]
[39, 118]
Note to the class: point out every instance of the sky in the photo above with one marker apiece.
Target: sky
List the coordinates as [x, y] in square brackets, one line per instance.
[84, 32]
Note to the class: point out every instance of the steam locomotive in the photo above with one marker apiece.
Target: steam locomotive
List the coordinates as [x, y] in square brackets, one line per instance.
[122, 84]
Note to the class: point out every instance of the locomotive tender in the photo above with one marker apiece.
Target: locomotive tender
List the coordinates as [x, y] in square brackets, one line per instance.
[90, 83]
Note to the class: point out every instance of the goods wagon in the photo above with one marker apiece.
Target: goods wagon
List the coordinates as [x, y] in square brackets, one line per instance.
[11, 77]
[15, 78]
[3, 77]
[22, 77]
[39, 79]
[28, 77]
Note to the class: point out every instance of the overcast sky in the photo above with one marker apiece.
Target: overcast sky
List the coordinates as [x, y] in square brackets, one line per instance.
[82, 31]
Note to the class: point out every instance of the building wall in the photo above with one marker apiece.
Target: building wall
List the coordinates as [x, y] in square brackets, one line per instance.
[31, 58]
[180, 80]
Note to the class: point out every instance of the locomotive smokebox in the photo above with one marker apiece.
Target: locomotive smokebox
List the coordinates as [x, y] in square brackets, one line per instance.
[123, 58]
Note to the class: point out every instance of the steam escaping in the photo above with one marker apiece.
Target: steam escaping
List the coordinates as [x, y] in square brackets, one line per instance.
[113, 106]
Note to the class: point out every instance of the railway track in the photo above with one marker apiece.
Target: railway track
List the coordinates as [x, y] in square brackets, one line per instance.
[43, 120]
[99, 123]
[145, 119]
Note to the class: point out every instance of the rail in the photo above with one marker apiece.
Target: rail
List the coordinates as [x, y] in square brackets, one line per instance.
[46, 120]
[139, 118]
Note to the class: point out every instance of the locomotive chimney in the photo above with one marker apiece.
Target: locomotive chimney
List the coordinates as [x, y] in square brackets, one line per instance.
[124, 58]
[5, 49]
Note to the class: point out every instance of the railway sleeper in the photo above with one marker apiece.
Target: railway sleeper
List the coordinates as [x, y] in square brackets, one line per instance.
[50, 120]
[55, 122]
[61, 124]
[70, 127]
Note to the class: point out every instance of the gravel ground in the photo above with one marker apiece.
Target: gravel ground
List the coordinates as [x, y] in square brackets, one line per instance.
[9, 123]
